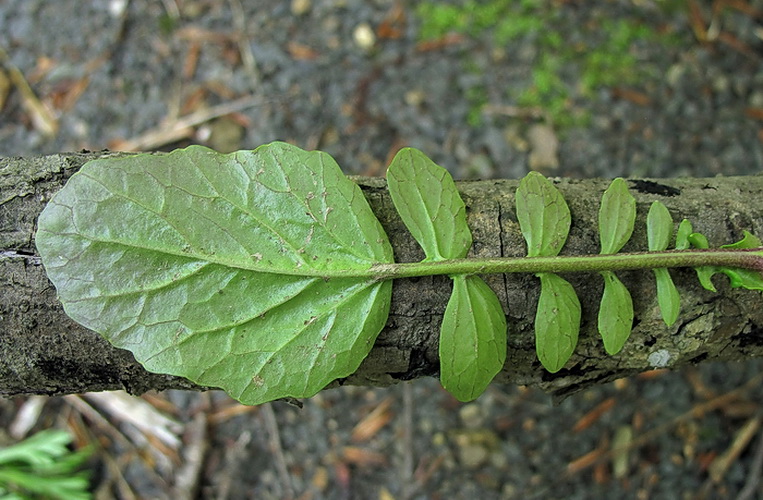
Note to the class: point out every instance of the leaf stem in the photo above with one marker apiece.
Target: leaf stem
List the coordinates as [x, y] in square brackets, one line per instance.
[734, 258]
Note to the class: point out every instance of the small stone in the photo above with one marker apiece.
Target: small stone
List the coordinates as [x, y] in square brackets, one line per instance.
[300, 7]
[480, 167]
[117, 8]
[414, 97]
[721, 83]
[471, 416]
[225, 135]
[499, 460]
[509, 491]
[472, 456]
[544, 147]
[439, 439]
[673, 75]
[320, 480]
[756, 100]
[364, 36]
[514, 139]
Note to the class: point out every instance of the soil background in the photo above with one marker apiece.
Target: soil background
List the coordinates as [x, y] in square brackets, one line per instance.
[680, 95]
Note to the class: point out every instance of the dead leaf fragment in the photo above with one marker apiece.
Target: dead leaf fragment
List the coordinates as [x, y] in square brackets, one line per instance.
[43, 119]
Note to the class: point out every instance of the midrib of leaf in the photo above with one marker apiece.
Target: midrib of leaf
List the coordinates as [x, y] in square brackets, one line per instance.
[435, 237]
[373, 270]
[319, 219]
[329, 230]
[145, 290]
[351, 292]
[191, 254]
[537, 197]
[299, 271]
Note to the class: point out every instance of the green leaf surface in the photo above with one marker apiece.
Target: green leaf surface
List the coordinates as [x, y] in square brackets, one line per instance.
[749, 279]
[42, 449]
[698, 240]
[738, 278]
[743, 278]
[427, 200]
[659, 227]
[705, 274]
[42, 466]
[617, 217]
[544, 216]
[216, 267]
[615, 313]
[682, 235]
[748, 241]
[472, 338]
[557, 322]
[667, 296]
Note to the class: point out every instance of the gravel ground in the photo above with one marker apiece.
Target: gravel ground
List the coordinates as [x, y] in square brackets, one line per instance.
[358, 81]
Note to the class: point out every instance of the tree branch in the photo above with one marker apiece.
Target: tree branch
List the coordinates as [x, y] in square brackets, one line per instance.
[44, 352]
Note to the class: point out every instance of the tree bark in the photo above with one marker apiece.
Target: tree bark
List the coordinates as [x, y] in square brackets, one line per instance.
[44, 352]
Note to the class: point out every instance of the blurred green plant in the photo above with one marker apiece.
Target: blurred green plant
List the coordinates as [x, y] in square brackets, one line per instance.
[562, 72]
[42, 466]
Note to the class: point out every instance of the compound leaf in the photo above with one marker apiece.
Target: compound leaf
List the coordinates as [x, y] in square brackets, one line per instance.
[427, 200]
[212, 266]
[615, 313]
[557, 322]
[749, 279]
[617, 217]
[544, 216]
[659, 229]
[472, 338]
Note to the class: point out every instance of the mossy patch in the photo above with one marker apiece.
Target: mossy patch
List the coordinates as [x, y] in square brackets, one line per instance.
[572, 59]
